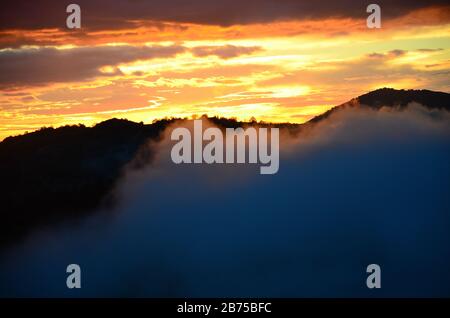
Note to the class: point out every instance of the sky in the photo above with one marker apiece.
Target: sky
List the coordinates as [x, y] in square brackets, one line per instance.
[275, 60]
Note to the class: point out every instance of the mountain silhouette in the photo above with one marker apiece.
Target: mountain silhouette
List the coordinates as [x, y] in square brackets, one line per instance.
[54, 174]
[57, 174]
[389, 97]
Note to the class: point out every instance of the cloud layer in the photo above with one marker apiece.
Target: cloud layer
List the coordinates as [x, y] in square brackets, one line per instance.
[102, 14]
[46, 65]
[43, 65]
[360, 187]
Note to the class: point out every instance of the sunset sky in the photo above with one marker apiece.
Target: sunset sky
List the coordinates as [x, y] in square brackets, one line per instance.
[276, 60]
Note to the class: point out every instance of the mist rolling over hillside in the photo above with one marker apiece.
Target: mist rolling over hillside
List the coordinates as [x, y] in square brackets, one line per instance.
[74, 168]
[359, 185]
[221, 156]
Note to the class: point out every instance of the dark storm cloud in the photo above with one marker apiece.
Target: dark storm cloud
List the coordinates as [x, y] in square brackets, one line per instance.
[398, 52]
[360, 187]
[429, 50]
[224, 52]
[103, 14]
[35, 66]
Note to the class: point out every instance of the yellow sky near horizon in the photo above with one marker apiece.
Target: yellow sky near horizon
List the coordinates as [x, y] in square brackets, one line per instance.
[282, 71]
